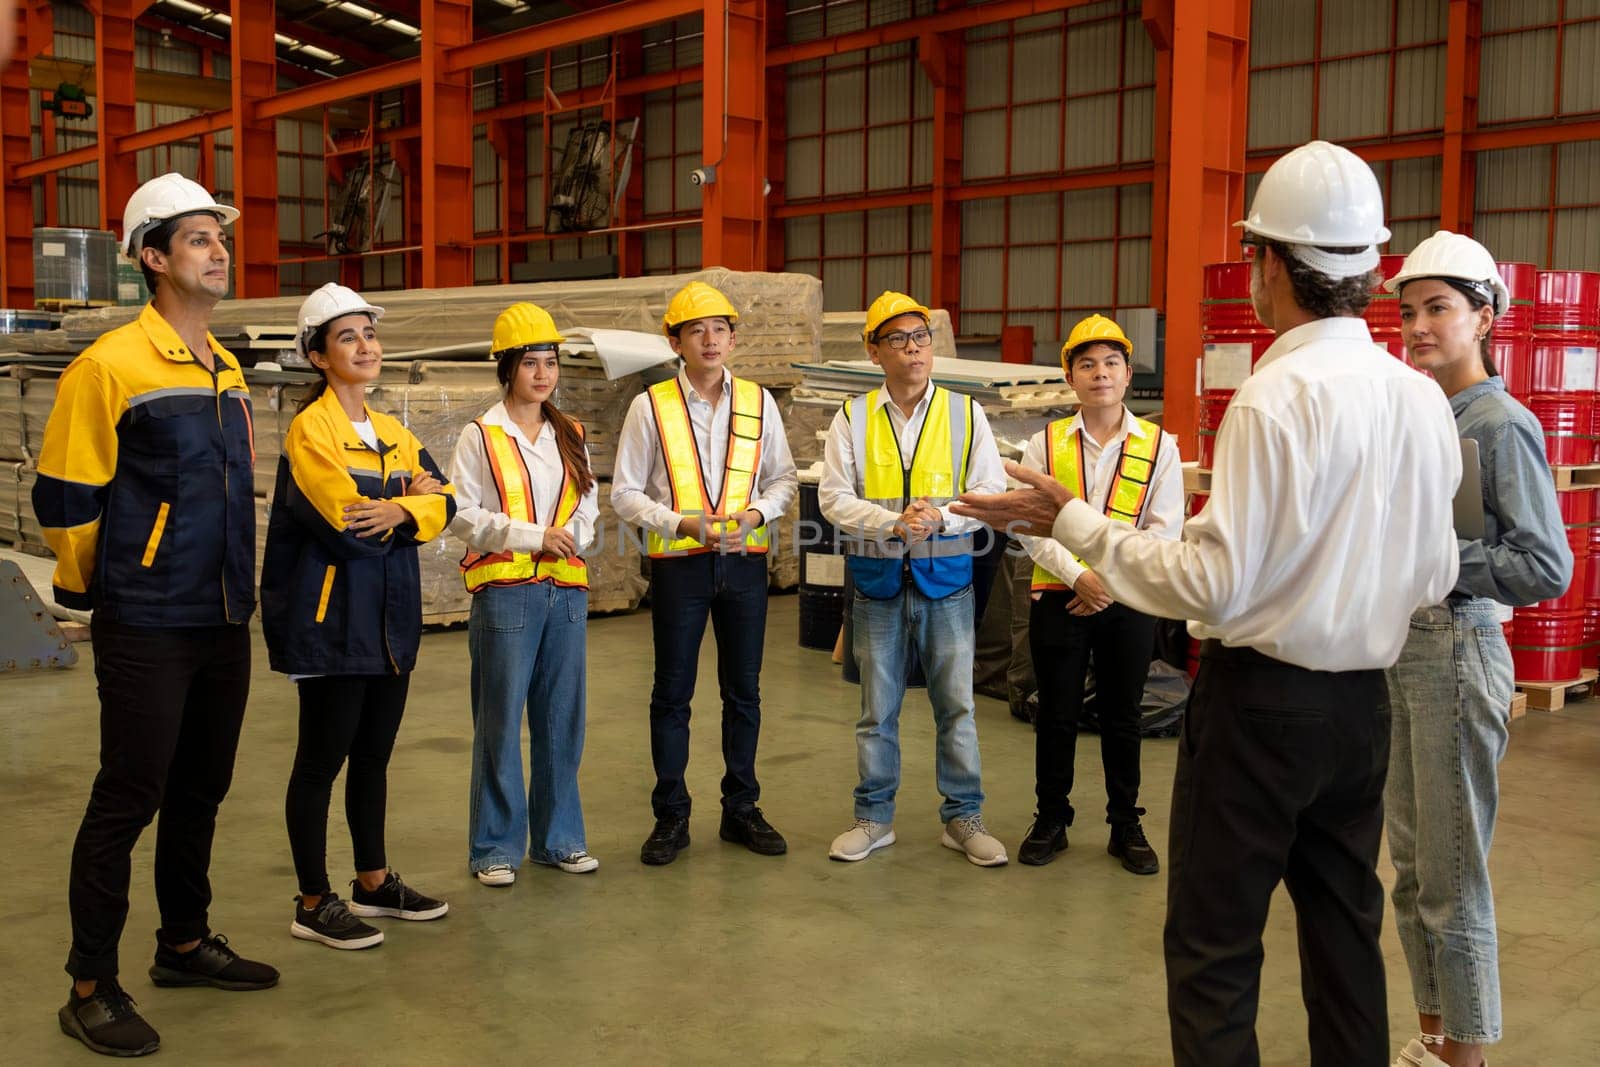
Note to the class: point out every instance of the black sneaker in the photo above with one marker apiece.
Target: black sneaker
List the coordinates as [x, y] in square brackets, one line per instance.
[330, 923]
[1129, 843]
[394, 900]
[1047, 838]
[670, 837]
[212, 962]
[108, 1021]
[751, 829]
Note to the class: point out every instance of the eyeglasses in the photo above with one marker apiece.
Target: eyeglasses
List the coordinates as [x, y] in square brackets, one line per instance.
[898, 341]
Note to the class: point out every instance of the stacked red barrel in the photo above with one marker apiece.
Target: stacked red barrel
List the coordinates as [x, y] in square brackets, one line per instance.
[1232, 339]
[1513, 331]
[1551, 641]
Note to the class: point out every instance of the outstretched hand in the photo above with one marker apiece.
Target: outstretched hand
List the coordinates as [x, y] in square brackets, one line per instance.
[1031, 510]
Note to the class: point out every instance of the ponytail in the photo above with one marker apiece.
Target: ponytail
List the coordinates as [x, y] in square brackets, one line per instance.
[569, 441]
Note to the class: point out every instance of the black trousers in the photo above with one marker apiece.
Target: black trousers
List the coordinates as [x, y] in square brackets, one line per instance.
[342, 716]
[1121, 641]
[171, 706]
[731, 590]
[1280, 778]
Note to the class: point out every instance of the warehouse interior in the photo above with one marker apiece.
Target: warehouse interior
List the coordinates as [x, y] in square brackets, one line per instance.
[1016, 165]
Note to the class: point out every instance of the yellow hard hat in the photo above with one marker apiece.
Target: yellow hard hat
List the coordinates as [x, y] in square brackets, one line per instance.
[888, 306]
[697, 300]
[1096, 328]
[521, 325]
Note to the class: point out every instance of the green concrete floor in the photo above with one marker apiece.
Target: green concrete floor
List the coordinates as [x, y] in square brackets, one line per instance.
[913, 956]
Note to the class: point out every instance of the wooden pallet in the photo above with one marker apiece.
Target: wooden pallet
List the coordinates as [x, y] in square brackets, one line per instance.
[57, 304]
[1586, 477]
[1552, 696]
[1519, 706]
[1196, 479]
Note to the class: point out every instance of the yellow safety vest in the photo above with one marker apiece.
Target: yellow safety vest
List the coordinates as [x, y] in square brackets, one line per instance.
[682, 456]
[515, 485]
[942, 564]
[1130, 486]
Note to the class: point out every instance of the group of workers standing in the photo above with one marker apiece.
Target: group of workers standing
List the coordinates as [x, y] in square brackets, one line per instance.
[1324, 576]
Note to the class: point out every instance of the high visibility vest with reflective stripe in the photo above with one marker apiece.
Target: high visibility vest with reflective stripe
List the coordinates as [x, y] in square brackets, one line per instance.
[515, 485]
[1130, 486]
[941, 565]
[684, 474]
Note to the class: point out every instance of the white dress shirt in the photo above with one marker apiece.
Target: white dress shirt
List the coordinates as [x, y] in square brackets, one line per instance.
[641, 491]
[1163, 509]
[1330, 515]
[481, 520]
[837, 492]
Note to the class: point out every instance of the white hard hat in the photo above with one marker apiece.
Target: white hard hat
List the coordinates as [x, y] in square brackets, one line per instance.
[1321, 196]
[326, 304]
[1458, 258]
[163, 198]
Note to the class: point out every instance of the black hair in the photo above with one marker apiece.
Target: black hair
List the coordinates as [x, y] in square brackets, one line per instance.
[569, 435]
[317, 341]
[159, 237]
[1319, 294]
[1111, 343]
[674, 330]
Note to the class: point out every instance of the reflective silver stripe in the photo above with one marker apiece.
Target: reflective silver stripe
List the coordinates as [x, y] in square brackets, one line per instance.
[958, 440]
[858, 434]
[242, 393]
[162, 394]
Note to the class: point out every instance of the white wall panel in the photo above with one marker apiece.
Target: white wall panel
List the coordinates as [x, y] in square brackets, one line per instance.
[1515, 237]
[1282, 31]
[1138, 125]
[1512, 178]
[981, 274]
[1032, 277]
[1419, 89]
[986, 74]
[888, 157]
[841, 234]
[1509, 14]
[802, 238]
[887, 230]
[1094, 53]
[1086, 275]
[983, 138]
[1350, 26]
[1421, 20]
[1034, 218]
[920, 265]
[804, 105]
[803, 174]
[1414, 186]
[1089, 213]
[1578, 173]
[1582, 8]
[883, 273]
[1577, 245]
[1090, 121]
[1406, 234]
[983, 222]
[845, 92]
[889, 90]
[1133, 272]
[1091, 12]
[843, 163]
[922, 153]
[841, 284]
[1035, 138]
[1280, 107]
[1516, 76]
[1580, 69]
[1036, 67]
[1353, 103]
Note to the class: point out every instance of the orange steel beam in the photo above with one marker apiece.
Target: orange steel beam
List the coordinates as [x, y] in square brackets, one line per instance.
[115, 93]
[1459, 167]
[1208, 49]
[777, 162]
[591, 96]
[969, 191]
[446, 186]
[509, 139]
[943, 58]
[394, 75]
[207, 122]
[1480, 140]
[734, 135]
[16, 202]
[255, 187]
[557, 33]
[912, 28]
[41, 35]
[628, 58]
[78, 157]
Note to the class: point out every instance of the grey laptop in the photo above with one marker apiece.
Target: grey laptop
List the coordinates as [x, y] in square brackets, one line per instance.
[1469, 494]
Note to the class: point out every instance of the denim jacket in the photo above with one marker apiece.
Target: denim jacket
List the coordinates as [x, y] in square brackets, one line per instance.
[1524, 556]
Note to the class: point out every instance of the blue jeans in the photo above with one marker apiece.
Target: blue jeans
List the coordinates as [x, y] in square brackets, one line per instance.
[941, 630]
[732, 591]
[527, 645]
[1451, 695]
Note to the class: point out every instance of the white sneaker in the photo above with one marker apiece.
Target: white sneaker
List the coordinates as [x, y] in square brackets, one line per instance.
[1417, 1054]
[968, 835]
[861, 840]
[499, 874]
[578, 863]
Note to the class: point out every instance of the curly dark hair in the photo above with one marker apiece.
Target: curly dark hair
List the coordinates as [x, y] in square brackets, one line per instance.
[1321, 295]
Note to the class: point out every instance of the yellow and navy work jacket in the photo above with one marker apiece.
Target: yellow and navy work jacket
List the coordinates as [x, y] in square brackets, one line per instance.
[681, 454]
[881, 563]
[514, 483]
[332, 602]
[145, 488]
[1130, 486]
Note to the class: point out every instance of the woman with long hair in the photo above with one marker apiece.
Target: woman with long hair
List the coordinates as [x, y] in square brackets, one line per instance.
[1450, 693]
[341, 607]
[527, 511]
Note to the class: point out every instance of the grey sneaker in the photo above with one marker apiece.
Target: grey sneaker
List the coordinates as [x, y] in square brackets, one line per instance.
[968, 835]
[330, 923]
[861, 840]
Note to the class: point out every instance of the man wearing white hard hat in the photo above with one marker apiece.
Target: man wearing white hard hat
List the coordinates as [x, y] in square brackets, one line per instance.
[1329, 523]
[146, 496]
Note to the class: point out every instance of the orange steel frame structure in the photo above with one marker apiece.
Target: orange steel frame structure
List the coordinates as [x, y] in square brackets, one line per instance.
[1202, 49]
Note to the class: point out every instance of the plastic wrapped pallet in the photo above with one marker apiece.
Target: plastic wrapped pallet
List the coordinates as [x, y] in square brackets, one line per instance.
[30, 538]
[11, 503]
[13, 439]
[805, 415]
[779, 314]
[841, 334]
[38, 397]
[616, 565]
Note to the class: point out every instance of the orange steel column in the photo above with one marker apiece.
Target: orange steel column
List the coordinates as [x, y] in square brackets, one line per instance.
[114, 107]
[627, 61]
[254, 78]
[509, 139]
[1459, 167]
[777, 147]
[1203, 57]
[944, 59]
[446, 202]
[16, 204]
[40, 34]
[733, 209]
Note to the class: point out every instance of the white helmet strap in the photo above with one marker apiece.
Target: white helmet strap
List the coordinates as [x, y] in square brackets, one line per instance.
[1337, 265]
